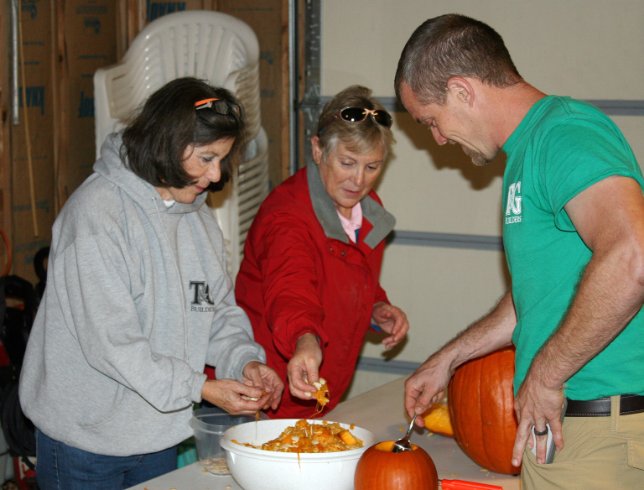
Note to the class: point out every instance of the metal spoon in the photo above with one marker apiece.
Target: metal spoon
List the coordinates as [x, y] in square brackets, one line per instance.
[403, 444]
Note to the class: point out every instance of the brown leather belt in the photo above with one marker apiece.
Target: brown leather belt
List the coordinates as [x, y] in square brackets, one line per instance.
[628, 404]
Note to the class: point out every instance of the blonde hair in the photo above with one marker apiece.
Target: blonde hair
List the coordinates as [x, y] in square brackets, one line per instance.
[358, 137]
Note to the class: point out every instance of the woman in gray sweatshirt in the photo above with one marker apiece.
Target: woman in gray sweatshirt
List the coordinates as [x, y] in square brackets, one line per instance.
[138, 301]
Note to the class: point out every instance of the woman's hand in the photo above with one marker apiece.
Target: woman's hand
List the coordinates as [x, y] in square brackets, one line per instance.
[260, 375]
[303, 368]
[235, 397]
[391, 320]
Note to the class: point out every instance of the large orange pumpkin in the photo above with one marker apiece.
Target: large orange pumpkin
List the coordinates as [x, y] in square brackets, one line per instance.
[481, 408]
[381, 469]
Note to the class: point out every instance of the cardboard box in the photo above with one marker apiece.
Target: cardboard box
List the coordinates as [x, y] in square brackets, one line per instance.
[88, 42]
[5, 137]
[32, 141]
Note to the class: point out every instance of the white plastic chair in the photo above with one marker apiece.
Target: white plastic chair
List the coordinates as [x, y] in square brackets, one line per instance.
[209, 45]
[212, 46]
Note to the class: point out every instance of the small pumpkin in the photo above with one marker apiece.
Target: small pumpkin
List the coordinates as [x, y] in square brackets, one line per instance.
[481, 408]
[437, 420]
[381, 469]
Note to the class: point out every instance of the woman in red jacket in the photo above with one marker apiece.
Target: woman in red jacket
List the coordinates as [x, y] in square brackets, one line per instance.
[309, 280]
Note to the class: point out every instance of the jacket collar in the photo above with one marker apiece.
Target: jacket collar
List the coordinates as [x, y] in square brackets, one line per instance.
[383, 222]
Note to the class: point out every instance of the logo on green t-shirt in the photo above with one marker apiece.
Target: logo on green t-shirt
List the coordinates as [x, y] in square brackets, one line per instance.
[513, 206]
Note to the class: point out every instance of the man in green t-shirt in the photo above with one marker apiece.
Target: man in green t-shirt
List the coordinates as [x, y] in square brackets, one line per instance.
[573, 232]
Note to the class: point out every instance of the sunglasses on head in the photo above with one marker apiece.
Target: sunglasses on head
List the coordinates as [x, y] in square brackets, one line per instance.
[221, 107]
[358, 114]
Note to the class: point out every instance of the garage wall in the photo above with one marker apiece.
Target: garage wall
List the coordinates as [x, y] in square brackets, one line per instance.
[445, 267]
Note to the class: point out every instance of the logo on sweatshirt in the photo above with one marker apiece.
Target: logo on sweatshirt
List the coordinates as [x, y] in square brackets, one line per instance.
[513, 206]
[201, 297]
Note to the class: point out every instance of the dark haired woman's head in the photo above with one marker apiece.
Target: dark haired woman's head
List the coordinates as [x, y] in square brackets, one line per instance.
[181, 118]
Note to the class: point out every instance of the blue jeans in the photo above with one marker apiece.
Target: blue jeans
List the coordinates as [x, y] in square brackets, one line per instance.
[63, 467]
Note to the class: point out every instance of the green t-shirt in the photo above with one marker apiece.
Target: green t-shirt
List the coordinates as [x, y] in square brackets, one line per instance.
[560, 148]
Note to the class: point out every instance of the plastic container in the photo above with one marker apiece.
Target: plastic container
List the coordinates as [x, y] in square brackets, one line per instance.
[208, 425]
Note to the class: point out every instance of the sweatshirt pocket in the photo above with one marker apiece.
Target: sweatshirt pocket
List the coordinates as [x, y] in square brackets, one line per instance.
[104, 406]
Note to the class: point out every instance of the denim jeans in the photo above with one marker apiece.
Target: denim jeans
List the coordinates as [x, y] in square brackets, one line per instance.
[63, 467]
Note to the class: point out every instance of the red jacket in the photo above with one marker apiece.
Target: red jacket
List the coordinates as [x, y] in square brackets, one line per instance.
[302, 274]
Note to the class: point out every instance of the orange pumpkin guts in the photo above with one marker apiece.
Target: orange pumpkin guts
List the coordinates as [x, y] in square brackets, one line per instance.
[381, 469]
[321, 395]
[481, 408]
[437, 420]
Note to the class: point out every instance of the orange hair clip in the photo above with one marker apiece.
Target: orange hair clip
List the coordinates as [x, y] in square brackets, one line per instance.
[200, 104]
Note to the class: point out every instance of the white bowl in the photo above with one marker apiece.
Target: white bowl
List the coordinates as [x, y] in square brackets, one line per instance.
[257, 469]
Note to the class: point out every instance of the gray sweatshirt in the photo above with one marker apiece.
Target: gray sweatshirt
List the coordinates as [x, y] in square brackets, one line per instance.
[137, 301]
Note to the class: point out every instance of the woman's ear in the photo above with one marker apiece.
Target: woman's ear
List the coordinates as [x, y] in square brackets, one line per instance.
[316, 150]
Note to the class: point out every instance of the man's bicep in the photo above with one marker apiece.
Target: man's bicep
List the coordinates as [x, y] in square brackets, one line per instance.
[608, 212]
